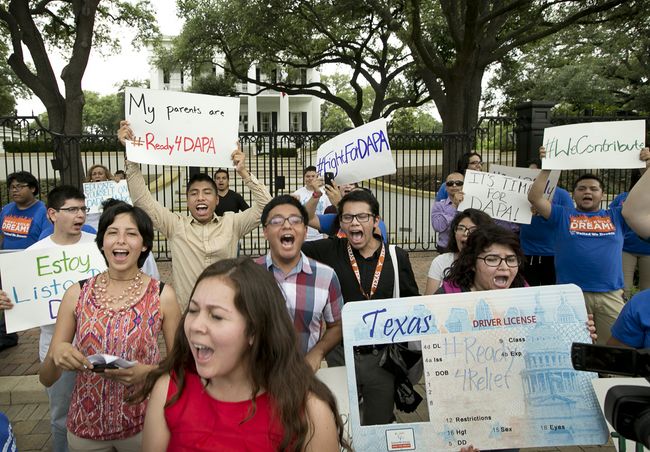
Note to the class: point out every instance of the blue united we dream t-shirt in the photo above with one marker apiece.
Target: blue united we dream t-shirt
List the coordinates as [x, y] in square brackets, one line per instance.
[588, 249]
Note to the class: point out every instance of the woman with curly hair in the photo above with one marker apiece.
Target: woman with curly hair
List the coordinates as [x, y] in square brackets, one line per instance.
[491, 259]
[235, 379]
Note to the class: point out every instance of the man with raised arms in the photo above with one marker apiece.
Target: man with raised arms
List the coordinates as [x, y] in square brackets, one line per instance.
[201, 238]
[588, 246]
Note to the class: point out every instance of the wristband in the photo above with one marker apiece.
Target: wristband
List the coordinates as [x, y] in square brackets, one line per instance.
[316, 194]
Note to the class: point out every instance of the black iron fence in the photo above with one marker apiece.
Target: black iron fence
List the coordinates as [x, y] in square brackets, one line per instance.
[278, 159]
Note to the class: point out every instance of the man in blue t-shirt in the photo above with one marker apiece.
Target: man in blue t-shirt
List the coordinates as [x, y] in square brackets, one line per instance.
[588, 247]
[632, 328]
[22, 221]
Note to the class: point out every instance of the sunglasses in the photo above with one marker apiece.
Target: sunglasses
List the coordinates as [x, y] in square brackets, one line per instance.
[451, 183]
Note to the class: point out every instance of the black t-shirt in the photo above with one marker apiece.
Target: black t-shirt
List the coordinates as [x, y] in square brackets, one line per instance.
[232, 202]
[334, 252]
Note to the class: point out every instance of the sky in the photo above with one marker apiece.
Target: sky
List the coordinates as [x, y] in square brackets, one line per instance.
[101, 74]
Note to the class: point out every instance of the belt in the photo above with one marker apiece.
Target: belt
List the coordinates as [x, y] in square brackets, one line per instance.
[368, 349]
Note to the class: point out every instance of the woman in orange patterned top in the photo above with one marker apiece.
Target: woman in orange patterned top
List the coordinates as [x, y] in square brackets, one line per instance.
[118, 312]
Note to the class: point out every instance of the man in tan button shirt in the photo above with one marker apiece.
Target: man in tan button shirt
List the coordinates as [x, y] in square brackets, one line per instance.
[201, 238]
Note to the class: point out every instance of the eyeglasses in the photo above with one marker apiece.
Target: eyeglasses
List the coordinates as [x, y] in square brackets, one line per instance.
[493, 260]
[17, 187]
[279, 220]
[476, 162]
[74, 210]
[462, 229]
[457, 183]
[361, 217]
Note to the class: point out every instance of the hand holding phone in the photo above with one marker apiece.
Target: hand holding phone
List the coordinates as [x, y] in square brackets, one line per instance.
[329, 179]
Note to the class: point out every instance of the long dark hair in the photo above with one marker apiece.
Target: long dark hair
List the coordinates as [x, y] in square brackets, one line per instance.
[478, 217]
[463, 270]
[274, 361]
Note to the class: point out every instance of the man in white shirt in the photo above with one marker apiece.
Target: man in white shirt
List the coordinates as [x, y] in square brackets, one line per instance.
[66, 209]
[309, 191]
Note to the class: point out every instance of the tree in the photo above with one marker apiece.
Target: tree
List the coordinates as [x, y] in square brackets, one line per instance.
[454, 41]
[297, 36]
[414, 120]
[601, 68]
[102, 113]
[10, 86]
[72, 27]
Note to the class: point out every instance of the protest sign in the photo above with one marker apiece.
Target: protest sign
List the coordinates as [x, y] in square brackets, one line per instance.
[501, 197]
[98, 192]
[611, 144]
[528, 174]
[496, 369]
[175, 128]
[35, 281]
[358, 154]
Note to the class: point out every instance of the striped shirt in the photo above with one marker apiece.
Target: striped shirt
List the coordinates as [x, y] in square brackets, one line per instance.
[313, 295]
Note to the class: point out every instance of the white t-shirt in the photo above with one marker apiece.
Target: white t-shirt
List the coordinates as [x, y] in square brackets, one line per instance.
[323, 203]
[47, 331]
[439, 265]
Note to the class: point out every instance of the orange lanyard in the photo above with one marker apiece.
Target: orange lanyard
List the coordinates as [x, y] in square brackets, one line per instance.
[375, 278]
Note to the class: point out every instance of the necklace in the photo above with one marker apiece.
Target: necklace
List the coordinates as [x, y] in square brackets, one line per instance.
[129, 296]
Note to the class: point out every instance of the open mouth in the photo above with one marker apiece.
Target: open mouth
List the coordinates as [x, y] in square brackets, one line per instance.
[120, 255]
[287, 240]
[501, 282]
[203, 353]
[202, 209]
[355, 236]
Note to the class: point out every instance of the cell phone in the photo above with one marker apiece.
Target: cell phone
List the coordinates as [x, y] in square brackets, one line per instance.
[329, 179]
[99, 368]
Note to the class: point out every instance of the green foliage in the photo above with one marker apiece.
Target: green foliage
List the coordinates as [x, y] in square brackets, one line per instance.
[10, 86]
[413, 120]
[597, 67]
[221, 85]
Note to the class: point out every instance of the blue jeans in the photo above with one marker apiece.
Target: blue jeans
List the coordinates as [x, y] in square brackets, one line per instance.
[60, 394]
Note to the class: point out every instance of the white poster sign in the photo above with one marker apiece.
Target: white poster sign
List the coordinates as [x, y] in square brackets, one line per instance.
[495, 370]
[358, 154]
[501, 197]
[98, 192]
[175, 128]
[613, 144]
[529, 175]
[35, 281]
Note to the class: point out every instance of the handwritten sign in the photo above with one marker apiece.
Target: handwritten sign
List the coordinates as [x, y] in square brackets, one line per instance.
[98, 192]
[612, 144]
[174, 128]
[501, 197]
[358, 154]
[35, 281]
[528, 174]
[496, 370]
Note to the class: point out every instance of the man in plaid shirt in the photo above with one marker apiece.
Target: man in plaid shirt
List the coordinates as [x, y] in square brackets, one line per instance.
[311, 289]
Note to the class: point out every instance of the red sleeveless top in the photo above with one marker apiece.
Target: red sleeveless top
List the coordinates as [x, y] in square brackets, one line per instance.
[198, 422]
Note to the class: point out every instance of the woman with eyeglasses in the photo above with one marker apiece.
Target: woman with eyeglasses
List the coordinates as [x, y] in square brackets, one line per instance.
[443, 212]
[491, 259]
[463, 224]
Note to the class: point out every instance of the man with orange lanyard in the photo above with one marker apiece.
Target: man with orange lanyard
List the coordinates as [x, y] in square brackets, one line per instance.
[366, 270]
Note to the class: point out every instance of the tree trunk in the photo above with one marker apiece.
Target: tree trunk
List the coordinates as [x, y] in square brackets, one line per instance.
[459, 113]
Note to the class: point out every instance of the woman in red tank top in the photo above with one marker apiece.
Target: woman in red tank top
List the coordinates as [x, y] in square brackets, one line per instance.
[235, 379]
